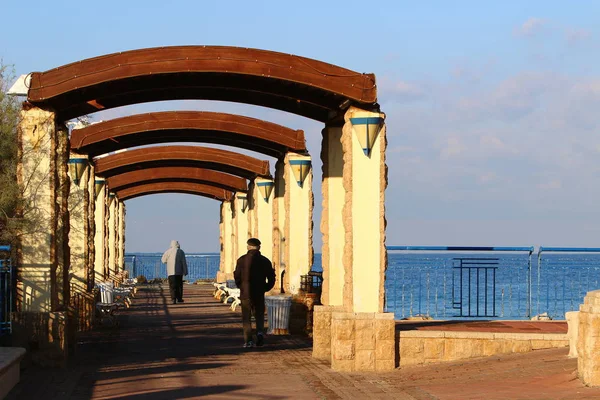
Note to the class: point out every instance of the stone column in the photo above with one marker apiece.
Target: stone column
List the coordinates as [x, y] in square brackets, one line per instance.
[37, 288]
[227, 236]
[241, 225]
[262, 201]
[279, 238]
[332, 223]
[251, 210]
[298, 200]
[78, 203]
[112, 230]
[588, 340]
[121, 230]
[43, 249]
[90, 227]
[353, 331]
[100, 230]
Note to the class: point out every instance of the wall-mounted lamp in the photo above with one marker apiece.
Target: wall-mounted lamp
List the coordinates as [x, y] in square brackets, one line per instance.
[266, 187]
[98, 185]
[77, 167]
[300, 167]
[244, 200]
[366, 130]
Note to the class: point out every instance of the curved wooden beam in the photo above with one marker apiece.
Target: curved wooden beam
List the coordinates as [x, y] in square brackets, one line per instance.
[172, 156]
[175, 187]
[286, 82]
[187, 126]
[177, 174]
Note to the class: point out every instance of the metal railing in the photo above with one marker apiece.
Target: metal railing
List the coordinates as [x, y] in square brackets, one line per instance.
[200, 266]
[563, 277]
[489, 282]
[445, 282]
[7, 287]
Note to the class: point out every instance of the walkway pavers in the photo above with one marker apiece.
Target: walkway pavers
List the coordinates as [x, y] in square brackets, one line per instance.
[193, 350]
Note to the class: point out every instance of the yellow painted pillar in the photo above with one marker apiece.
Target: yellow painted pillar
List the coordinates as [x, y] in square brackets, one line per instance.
[262, 201]
[121, 231]
[100, 244]
[36, 175]
[79, 173]
[298, 200]
[112, 224]
[365, 181]
[241, 225]
[227, 235]
[251, 210]
[354, 254]
[279, 238]
[332, 223]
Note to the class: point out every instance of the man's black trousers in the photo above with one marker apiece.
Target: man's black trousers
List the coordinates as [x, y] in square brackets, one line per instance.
[250, 306]
[176, 287]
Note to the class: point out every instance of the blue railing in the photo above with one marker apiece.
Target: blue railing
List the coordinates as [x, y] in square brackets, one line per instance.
[200, 266]
[446, 282]
[7, 286]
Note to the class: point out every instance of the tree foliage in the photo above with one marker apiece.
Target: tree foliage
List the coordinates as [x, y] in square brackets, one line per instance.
[9, 191]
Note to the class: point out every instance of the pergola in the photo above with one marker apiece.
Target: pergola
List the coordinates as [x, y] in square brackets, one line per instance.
[83, 210]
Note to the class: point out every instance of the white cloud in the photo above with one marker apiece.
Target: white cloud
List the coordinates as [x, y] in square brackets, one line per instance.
[530, 27]
[453, 146]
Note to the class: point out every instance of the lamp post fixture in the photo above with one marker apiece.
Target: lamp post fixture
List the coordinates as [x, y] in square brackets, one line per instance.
[77, 166]
[300, 167]
[244, 199]
[98, 185]
[366, 130]
[266, 187]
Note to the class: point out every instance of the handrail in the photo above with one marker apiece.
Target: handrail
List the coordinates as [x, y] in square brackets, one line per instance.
[460, 248]
[571, 249]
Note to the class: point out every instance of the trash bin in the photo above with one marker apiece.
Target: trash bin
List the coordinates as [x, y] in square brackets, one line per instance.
[278, 314]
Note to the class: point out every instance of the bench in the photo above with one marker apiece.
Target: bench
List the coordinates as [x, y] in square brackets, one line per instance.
[10, 368]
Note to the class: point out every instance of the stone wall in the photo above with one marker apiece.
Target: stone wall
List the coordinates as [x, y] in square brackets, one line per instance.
[588, 342]
[425, 347]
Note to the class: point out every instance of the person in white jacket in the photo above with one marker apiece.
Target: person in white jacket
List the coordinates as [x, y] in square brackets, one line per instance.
[174, 257]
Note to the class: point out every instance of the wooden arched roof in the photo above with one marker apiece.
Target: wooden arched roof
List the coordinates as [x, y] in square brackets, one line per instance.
[187, 126]
[175, 187]
[177, 174]
[172, 156]
[281, 81]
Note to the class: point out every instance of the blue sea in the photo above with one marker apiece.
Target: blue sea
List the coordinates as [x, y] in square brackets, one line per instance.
[451, 285]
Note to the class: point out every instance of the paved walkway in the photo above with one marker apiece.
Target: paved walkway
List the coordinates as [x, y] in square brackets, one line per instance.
[193, 350]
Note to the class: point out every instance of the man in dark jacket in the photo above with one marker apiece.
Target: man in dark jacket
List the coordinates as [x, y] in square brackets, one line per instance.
[254, 275]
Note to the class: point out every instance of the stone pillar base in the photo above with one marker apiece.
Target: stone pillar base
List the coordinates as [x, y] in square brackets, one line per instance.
[354, 341]
[322, 331]
[588, 342]
[572, 318]
[45, 335]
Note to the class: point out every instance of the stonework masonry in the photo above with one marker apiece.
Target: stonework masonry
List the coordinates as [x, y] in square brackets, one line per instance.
[426, 347]
[588, 342]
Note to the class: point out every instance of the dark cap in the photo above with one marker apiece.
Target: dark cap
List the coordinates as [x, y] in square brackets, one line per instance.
[253, 242]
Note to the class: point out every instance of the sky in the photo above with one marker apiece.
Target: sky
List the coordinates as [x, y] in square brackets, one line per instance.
[492, 107]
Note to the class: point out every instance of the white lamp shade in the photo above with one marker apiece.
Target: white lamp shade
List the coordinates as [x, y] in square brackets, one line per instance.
[266, 188]
[300, 168]
[366, 130]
